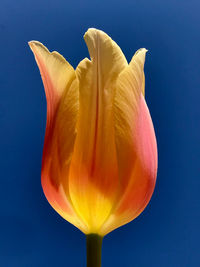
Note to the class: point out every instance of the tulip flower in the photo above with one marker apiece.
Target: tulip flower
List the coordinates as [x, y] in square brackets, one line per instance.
[99, 160]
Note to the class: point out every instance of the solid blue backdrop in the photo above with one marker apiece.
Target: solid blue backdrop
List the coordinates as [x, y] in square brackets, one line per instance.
[167, 233]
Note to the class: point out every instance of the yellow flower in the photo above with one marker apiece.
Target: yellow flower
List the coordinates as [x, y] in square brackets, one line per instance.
[100, 156]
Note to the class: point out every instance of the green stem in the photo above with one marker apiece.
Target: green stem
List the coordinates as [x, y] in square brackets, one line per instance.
[94, 244]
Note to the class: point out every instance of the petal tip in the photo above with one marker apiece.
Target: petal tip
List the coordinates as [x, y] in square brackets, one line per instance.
[141, 51]
[94, 32]
[31, 44]
[139, 57]
[90, 31]
[35, 44]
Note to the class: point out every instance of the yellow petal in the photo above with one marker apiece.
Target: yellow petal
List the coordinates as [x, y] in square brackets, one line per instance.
[57, 74]
[128, 91]
[61, 88]
[136, 145]
[137, 68]
[93, 178]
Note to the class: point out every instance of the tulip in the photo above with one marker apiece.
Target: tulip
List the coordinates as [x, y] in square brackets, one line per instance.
[99, 160]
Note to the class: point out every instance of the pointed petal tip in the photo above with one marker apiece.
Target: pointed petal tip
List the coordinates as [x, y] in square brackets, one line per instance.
[36, 44]
[139, 57]
[142, 54]
[33, 42]
[93, 31]
[141, 51]
[144, 49]
[90, 31]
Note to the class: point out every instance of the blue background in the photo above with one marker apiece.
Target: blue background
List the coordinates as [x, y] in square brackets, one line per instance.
[167, 232]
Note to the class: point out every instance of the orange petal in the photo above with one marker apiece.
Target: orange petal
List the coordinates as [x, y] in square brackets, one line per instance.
[61, 90]
[136, 146]
[56, 74]
[93, 180]
[128, 91]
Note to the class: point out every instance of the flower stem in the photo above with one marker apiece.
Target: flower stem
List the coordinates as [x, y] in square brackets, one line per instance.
[94, 244]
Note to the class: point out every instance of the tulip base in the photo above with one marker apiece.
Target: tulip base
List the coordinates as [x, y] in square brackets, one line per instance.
[94, 245]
